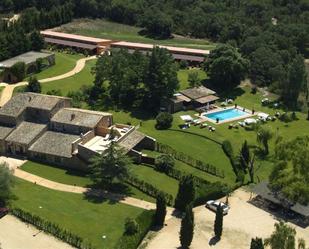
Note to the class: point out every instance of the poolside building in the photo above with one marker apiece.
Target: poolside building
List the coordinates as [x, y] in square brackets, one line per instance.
[47, 129]
[30, 60]
[191, 98]
[193, 56]
[78, 42]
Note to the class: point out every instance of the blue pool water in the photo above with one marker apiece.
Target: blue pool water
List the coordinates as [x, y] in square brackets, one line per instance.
[226, 114]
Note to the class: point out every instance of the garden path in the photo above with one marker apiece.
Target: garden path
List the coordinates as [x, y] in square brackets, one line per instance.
[7, 92]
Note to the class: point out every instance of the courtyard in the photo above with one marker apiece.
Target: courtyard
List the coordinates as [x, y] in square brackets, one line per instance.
[243, 222]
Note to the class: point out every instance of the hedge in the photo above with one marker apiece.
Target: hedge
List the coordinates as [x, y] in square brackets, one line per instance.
[205, 167]
[144, 221]
[51, 228]
[148, 189]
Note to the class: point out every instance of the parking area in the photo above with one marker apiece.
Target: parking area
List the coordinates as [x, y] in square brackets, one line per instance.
[15, 234]
[244, 221]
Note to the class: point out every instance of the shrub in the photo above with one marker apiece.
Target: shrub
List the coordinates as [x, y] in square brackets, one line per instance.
[144, 221]
[164, 163]
[34, 85]
[131, 226]
[19, 70]
[254, 90]
[164, 120]
[39, 64]
[284, 117]
[160, 210]
[183, 64]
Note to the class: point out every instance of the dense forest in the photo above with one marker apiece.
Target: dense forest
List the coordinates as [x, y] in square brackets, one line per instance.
[272, 35]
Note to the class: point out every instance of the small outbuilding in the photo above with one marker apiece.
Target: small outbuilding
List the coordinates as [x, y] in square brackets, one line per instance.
[30, 59]
[191, 98]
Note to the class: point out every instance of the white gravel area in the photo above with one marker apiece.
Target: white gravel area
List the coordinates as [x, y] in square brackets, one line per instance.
[14, 234]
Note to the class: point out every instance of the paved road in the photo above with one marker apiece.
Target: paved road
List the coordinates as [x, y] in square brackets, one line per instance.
[7, 92]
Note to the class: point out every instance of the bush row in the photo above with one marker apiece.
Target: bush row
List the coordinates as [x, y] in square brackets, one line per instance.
[51, 228]
[144, 221]
[148, 189]
[178, 174]
[206, 167]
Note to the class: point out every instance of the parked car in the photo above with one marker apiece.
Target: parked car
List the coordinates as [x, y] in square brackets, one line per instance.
[213, 205]
[3, 212]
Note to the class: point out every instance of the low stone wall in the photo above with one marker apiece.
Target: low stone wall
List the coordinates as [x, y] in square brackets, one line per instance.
[85, 153]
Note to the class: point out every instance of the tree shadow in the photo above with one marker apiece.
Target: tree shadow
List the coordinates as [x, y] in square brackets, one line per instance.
[213, 241]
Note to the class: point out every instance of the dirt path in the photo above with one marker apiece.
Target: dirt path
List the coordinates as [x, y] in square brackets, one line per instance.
[7, 92]
[243, 222]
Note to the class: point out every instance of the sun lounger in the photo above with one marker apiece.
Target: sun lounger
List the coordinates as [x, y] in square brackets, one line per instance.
[107, 136]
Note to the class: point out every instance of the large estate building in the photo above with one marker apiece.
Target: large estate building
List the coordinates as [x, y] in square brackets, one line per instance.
[46, 128]
[91, 44]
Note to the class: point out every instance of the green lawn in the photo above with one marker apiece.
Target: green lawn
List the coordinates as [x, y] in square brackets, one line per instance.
[64, 64]
[71, 177]
[116, 31]
[72, 83]
[160, 180]
[88, 219]
[183, 76]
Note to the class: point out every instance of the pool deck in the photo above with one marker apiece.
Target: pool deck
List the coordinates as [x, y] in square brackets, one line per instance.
[203, 118]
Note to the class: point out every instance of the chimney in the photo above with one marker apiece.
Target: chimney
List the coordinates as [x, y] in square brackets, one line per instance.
[72, 116]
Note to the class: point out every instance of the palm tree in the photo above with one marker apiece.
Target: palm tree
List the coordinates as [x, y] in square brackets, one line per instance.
[282, 238]
[263, 137]
[110, 165]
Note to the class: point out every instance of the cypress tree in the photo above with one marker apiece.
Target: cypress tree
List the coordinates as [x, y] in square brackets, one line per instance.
[257, 243]
[244, 156]
[218, 227]
[187, 228]
[161, 210]
[186, 193]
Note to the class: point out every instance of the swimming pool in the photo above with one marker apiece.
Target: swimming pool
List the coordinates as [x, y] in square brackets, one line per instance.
[226, 114]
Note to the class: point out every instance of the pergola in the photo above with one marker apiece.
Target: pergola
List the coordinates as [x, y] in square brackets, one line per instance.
[262, 189]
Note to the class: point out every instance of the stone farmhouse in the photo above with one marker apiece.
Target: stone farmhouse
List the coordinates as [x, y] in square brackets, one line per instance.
[47, 129]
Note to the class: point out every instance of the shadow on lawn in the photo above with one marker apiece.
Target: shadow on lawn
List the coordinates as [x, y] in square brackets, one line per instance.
[114, 194]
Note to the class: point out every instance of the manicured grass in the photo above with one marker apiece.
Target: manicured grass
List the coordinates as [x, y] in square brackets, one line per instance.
[72, 83]
[88, 219]
[186, 168]
[183, 76]
[64, 64]
[116, 31]
[160, 180]
[71, 177]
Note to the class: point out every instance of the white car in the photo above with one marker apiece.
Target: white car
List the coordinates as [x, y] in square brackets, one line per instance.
[213, 205]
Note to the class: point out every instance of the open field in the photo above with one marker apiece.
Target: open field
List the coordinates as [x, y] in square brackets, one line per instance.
[120, 32]
[75, 213]
[64, 63]
[71, 177]
[72, 83]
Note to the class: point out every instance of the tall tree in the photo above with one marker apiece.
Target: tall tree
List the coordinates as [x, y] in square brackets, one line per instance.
[37, 41]
[295, 81]
[34, 85]
[112, 164]
[187, 228]
[257, 243]
[6, 184]
[218, 227]
[160, 79]
[244, 156]
[160, 210]
[282, 238]
[226, 67]
[193, 79]
[263, 137]
[186, 193]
